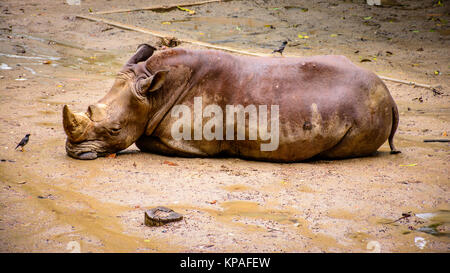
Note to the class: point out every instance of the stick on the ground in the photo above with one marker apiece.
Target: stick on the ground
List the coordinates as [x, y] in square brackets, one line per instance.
[158, 7]
[163, 34]
[436, 140]
[406, 82]
[404, 216]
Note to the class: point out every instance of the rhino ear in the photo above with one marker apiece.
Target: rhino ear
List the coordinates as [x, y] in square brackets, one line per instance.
[143, 52]
[153, 83]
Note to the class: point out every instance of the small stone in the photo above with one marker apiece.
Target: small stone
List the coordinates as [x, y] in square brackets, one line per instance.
[160, 216]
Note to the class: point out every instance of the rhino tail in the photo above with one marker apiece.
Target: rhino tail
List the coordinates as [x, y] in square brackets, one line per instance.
[395, 120]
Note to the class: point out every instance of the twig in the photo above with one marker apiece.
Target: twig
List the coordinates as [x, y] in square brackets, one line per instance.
[436, 140]
[404, 216]
[158, 7]
[406, 82]
[164, 34]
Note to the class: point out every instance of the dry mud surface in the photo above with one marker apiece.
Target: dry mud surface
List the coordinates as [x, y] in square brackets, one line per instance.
[52, 203]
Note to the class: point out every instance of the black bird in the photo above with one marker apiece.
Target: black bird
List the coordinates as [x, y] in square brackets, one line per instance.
[281, 49]
[23, 142]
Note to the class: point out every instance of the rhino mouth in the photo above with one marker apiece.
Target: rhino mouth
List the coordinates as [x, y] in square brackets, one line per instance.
[87, 156]
[87, 150]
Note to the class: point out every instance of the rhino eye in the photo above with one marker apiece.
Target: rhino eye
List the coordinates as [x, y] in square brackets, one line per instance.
[114, 131]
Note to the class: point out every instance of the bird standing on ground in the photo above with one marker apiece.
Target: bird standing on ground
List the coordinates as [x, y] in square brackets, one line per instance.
[23, 142]
[281, 49]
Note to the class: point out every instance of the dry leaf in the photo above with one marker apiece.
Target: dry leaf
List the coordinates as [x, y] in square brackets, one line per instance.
[170, 163]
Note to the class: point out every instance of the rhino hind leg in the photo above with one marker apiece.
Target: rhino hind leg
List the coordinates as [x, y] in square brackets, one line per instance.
[374, 122]
[343, 149]
[362, 140]
[349, 146]
[358, 141]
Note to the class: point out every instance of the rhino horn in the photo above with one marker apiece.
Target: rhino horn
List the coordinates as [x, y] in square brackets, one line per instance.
[75, 125]
[143, 52]
[97, 112]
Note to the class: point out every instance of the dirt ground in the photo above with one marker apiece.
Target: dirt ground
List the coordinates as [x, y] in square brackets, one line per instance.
[389, 203]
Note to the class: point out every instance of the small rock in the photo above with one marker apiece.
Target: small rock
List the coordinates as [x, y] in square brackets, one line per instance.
[160, 216]
[420, 242]
[19, 49]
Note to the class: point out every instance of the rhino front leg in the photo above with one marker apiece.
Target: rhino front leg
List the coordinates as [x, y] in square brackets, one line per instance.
[152, 144]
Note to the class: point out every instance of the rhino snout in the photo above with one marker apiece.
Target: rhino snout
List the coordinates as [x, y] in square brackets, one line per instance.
[84, 151]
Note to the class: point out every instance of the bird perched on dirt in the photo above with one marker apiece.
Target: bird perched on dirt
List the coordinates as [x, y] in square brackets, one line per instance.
[281, 49]
[23, 142]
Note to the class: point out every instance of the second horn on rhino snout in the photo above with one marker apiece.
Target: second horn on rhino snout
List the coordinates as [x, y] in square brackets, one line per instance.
[97, 112]
[75, 125]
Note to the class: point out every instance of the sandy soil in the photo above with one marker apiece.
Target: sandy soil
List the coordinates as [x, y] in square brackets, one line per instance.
[52, 203]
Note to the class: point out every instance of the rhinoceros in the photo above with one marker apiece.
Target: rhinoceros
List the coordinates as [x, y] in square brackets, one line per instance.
[320, 107]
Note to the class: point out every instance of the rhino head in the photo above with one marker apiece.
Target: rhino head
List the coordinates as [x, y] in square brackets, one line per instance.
[120, 117]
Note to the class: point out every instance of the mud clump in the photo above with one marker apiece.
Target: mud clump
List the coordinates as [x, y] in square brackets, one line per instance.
[168, 42]
[160, 216]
